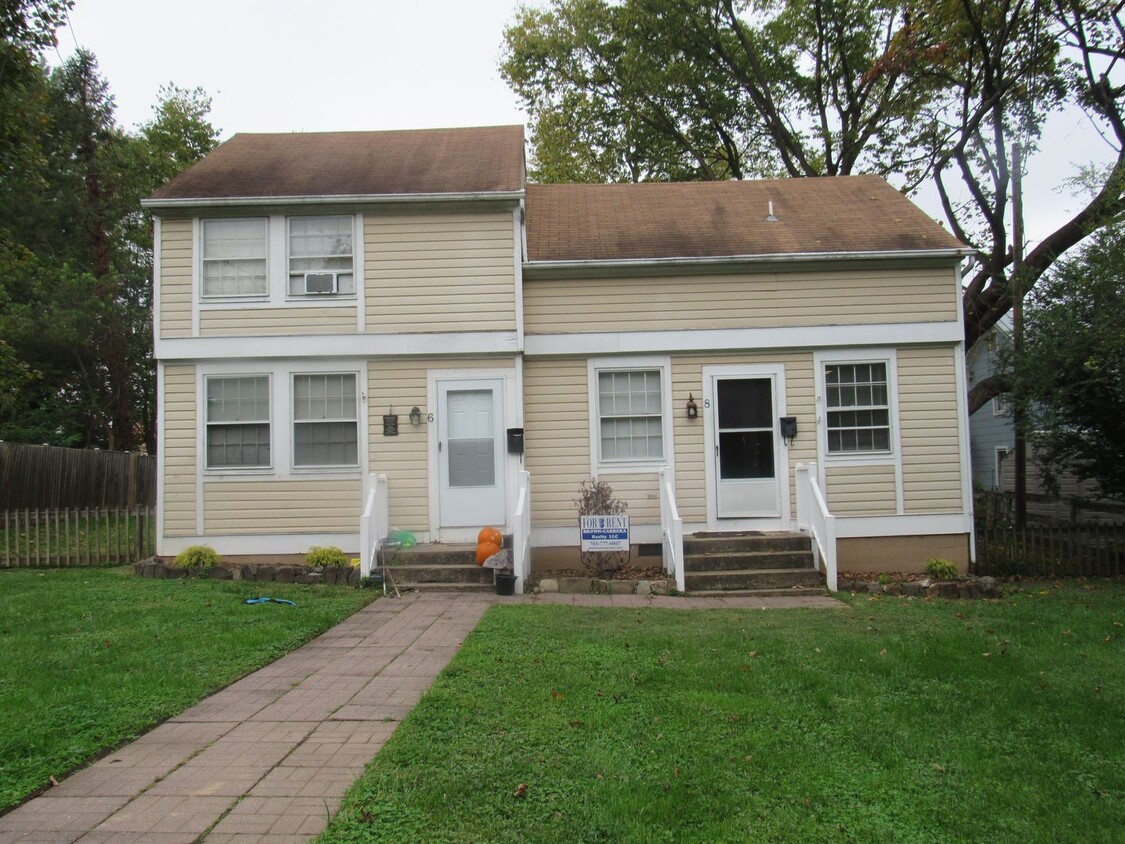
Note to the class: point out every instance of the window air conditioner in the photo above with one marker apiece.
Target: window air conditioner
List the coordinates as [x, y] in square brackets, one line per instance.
[320, 283]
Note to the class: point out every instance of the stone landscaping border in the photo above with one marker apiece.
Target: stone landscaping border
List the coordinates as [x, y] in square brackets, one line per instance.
[597, 586]
[257, 572]
[962, 589]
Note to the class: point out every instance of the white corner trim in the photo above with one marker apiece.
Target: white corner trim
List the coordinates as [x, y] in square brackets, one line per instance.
[196, 279]
[161, 456]
[517, 232]
[749, 339]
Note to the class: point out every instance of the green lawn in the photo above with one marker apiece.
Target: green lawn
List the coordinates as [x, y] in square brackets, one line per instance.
[892, 720]
[90, 658]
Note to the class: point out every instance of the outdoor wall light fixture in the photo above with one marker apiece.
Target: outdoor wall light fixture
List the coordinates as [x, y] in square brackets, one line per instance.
[415, 416]
[692, 407]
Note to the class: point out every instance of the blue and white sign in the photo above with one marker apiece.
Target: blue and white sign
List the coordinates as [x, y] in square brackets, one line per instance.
[604, 533]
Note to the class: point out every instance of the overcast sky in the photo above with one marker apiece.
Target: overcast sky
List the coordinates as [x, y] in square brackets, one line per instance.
[333, 65]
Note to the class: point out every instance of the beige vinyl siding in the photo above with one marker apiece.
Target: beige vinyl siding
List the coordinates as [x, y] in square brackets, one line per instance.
[282, 506]
[240, 321]
[180, 464]
[401, 383]
[440, 272]
[687, 379]
[861, 490]
[175, 278]
[761, 300]
[931, 459]
[557, 448]
[641, 491]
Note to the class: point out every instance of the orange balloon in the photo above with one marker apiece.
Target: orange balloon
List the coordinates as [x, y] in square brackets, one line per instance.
[486, 550]
[490, 534]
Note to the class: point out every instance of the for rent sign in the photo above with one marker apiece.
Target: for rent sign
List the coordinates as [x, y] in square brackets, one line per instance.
[605, 533]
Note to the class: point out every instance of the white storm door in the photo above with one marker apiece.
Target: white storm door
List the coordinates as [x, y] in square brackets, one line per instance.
[471, 454]
[746, 448]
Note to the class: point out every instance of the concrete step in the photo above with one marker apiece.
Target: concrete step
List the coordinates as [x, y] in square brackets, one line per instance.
[746, 560]
[444, 587]
[714, 543]
[760, 593]
[432, 555]
[434, 573]
[726, 581]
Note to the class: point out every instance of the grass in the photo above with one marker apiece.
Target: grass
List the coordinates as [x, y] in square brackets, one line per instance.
[90, 658]
[891, 720]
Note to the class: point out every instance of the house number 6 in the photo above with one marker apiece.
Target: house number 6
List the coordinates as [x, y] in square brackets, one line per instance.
[429, 417]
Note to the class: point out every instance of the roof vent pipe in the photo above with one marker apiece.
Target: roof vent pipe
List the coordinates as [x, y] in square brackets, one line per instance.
[770, 218]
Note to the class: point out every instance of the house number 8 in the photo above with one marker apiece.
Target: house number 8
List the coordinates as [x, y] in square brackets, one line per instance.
[707, 402]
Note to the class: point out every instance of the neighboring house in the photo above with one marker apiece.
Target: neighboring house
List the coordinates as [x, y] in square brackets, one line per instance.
[992, 433]
[314, 289]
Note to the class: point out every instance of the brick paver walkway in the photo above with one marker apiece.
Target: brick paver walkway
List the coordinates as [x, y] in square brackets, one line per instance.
[268, 759]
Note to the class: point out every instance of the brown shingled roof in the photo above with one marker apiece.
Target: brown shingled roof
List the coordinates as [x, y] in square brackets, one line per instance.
[424, 161]
[723, 219]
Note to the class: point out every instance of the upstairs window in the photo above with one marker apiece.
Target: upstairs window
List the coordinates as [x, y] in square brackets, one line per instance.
[858, 408]
[238, 422]
[325, 426]
[321, 256]
[233, 260]
[630, 408]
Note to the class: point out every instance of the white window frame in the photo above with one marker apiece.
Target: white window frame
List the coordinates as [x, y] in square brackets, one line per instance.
[821, 361]
[294, 422]
[1000, 406]
[207, 423]
[596, 366]
[201, 261]
[280, 373]
[305, 297]
[277, 270]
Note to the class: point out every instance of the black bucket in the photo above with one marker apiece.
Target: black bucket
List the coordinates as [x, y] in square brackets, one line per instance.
[505, 584]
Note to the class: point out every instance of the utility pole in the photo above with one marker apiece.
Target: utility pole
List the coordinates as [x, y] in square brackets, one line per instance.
[1017, 332]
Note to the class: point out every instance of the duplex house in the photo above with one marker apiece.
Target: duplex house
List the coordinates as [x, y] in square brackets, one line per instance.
[345, 316]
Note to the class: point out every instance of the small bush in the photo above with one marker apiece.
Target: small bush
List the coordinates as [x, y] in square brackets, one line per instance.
[326, 555]
[942, 569]
[197, 555]
[595, 498]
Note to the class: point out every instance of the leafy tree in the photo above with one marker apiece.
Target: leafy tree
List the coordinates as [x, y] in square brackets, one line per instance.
[1070, 375]
[76, 251]
[913, 90]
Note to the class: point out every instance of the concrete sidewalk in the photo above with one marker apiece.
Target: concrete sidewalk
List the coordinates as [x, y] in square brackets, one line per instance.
[270, 757]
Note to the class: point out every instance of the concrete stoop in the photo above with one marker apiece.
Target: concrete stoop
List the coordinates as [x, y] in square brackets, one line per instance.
[750, 563]
[438, 568]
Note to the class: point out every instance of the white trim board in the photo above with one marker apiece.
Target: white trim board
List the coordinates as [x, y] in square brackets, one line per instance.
[719, 339]
[330, 345]
[262, 543]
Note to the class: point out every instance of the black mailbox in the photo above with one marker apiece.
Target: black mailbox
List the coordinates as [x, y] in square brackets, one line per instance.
[515, 441]
[788, 428]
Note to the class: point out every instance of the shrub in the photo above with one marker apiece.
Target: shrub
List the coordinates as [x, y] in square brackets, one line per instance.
[595, 498]
[197, 555]
[326, 555]
[942, 569]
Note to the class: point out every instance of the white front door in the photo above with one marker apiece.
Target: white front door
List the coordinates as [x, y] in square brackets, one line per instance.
[470, 452]
[747, 453]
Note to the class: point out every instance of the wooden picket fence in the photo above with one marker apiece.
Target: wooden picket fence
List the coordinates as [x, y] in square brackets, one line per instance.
[1049, 547]
[76, 536]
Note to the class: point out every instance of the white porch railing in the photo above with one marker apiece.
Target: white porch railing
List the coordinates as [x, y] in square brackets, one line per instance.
[814, 519]
[672, 527]
[374, 524]
[521, 532]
